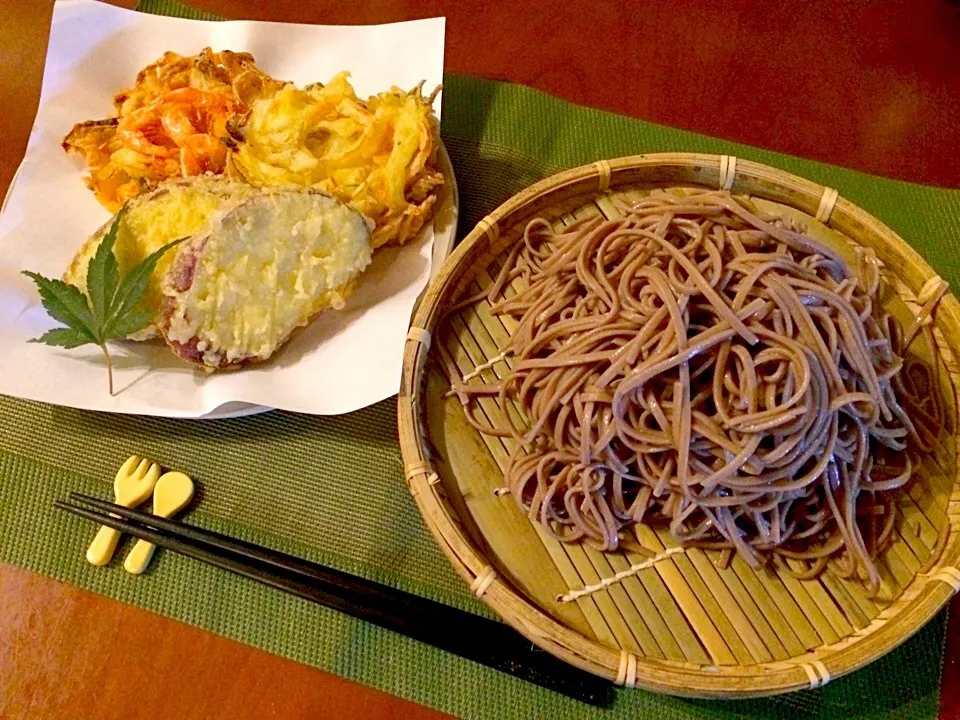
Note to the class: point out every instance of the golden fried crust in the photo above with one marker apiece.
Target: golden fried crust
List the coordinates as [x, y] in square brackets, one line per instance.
[92, 136]
[378, 155]
[425, 185]
[208, 70]
[234, 294]
[217, 112]
[149, 140]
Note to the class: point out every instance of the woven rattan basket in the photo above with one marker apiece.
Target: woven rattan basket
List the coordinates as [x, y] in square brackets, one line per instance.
[683, 625]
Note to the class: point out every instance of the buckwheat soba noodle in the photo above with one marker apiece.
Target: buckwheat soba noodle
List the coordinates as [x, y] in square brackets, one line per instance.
[700, 364]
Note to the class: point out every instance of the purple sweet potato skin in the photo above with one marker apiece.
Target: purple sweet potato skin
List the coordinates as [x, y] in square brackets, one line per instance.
[212, 359]
[188, 351]
[182, 274]
[184, 266]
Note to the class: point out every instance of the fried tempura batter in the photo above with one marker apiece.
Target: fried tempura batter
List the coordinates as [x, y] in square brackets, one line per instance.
[379, 156]
[218, 112]
[171, 123]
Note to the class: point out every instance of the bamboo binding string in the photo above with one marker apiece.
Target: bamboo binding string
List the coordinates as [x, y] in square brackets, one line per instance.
[933, 286]
[827, 201]
[603, 171]
[627, 672]
[415, 468]
[490, 228]
[817, 672]
[420, 335]
[622, 575]
[728, 171]
[484, 366]
[480, 583]
[929, 297]
[949, 575]
[432, 478]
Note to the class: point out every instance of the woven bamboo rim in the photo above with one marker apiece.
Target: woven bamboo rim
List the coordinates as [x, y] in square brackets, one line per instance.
[923, 591]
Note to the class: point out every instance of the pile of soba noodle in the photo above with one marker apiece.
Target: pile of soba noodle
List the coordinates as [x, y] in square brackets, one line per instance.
[697, 363]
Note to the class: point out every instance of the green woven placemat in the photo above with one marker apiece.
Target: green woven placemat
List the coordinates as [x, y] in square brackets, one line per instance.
[331, 489]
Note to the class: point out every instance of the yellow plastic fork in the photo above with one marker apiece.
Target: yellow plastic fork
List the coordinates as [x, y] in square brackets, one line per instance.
[132, 486]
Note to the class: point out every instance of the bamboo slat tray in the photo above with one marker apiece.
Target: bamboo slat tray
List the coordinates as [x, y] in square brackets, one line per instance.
[683, 626]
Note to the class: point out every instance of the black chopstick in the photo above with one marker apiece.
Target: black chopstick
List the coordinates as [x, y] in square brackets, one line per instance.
[338, 579]
[471, 636]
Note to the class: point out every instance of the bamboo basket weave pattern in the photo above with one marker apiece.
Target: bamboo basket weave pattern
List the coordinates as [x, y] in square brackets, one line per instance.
[681, 624]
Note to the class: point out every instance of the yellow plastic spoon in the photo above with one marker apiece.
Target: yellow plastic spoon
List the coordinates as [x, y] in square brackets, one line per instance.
[172, 493]
[133, 484]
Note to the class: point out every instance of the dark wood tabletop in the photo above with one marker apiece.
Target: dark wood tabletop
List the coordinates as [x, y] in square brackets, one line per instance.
[870, 85]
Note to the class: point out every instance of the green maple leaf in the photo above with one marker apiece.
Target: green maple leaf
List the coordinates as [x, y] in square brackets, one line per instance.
[64, 337]
[103, 272]
[110, 309]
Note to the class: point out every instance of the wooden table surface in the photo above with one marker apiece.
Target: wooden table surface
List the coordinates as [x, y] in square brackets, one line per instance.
[870, 85]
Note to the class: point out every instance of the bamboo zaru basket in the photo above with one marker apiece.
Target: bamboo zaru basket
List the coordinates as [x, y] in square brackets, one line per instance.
[680, 625]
